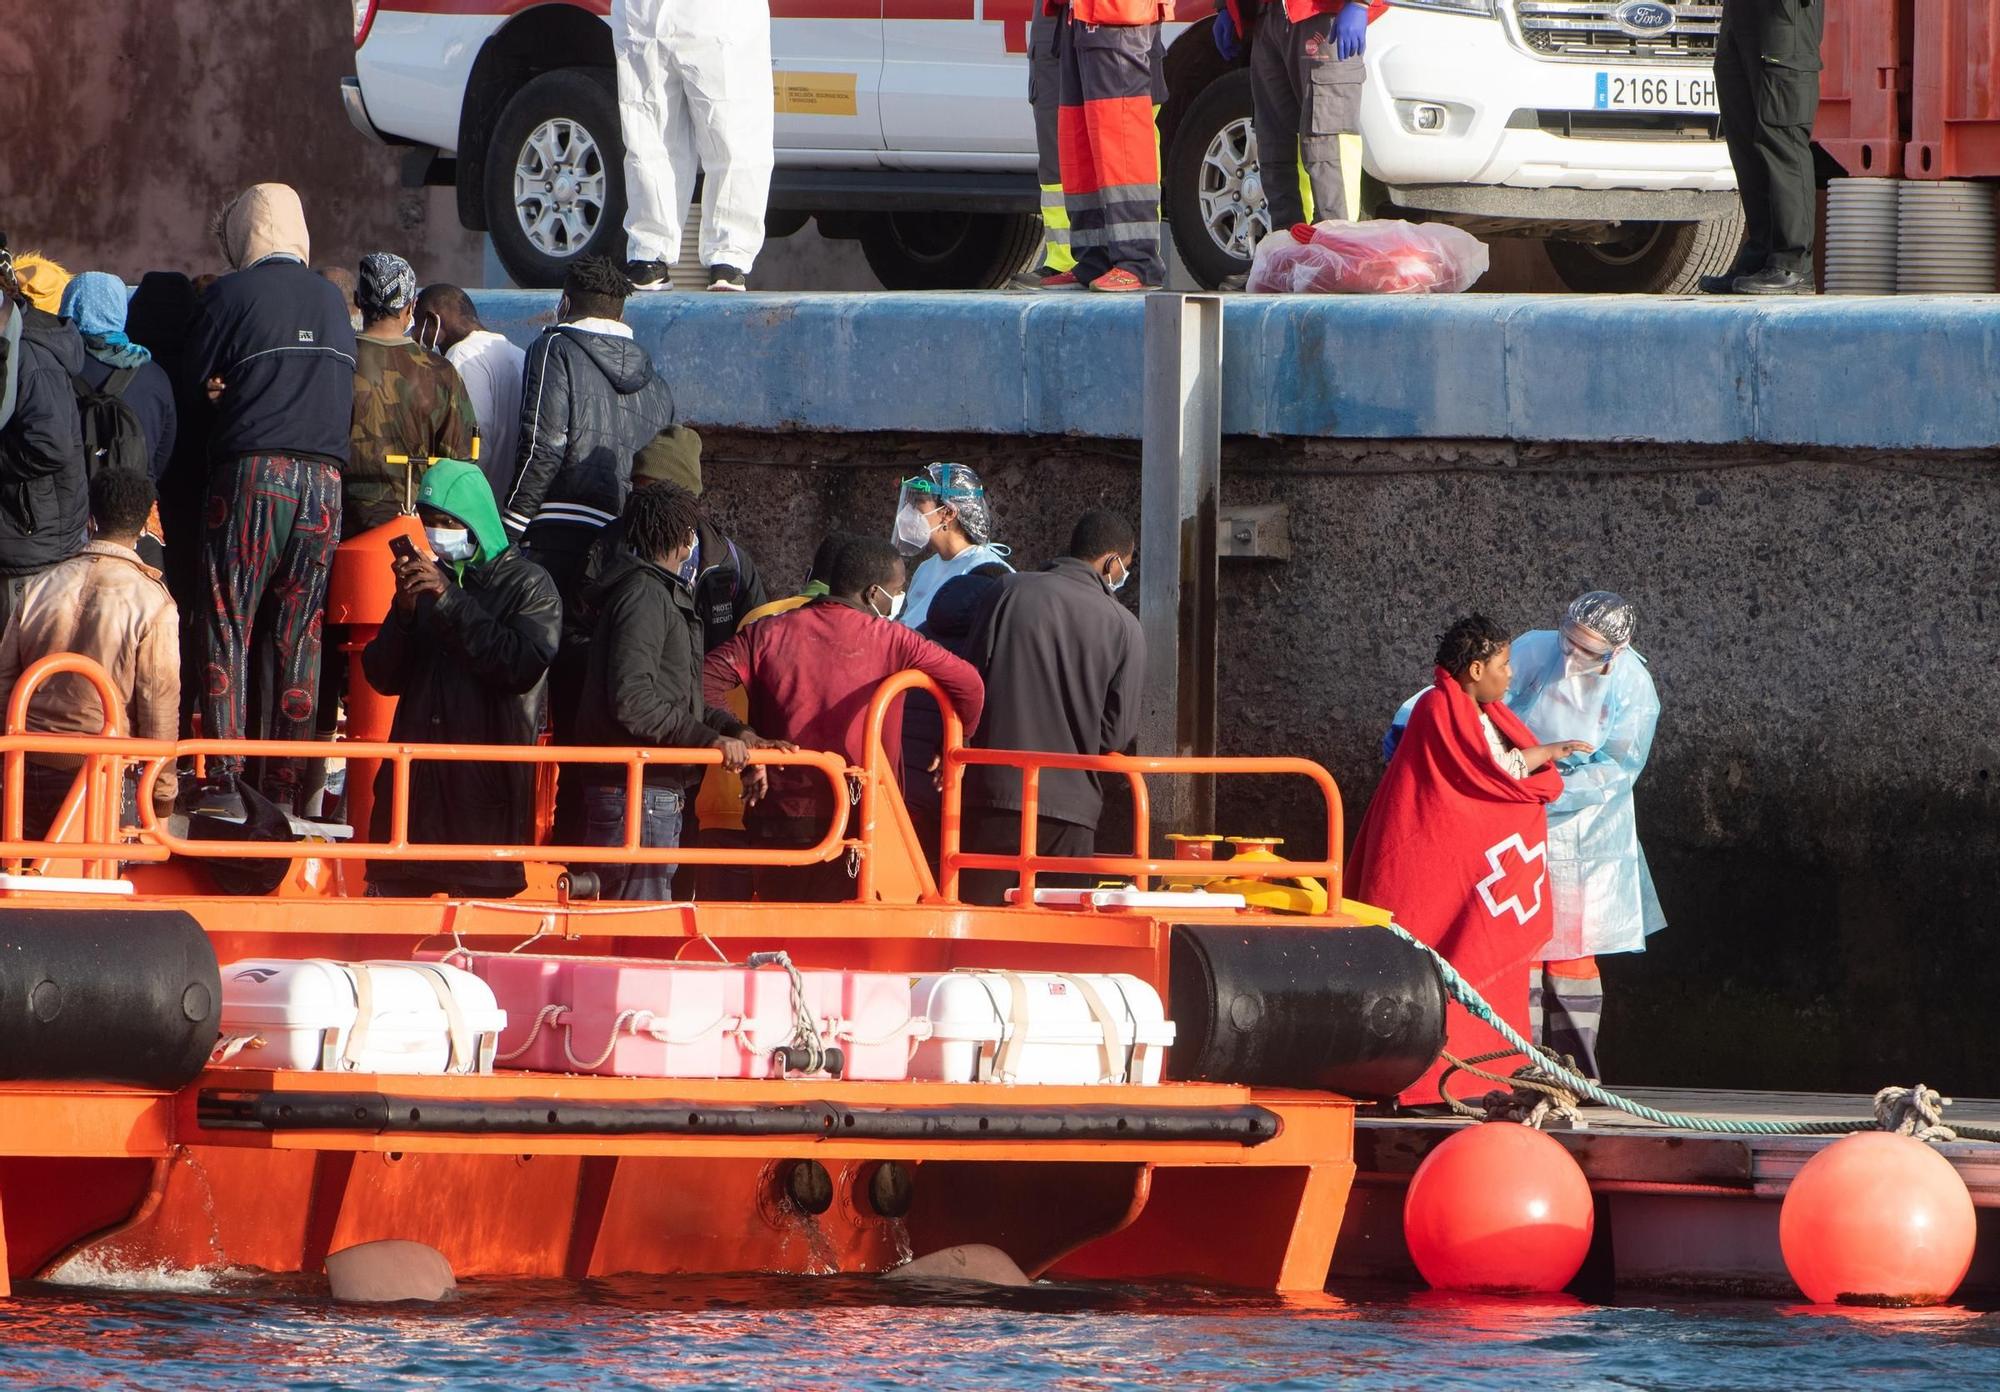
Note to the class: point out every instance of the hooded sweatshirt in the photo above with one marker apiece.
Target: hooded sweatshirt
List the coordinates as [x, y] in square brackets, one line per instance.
[590, 401]
[277, 333]
[468, 668]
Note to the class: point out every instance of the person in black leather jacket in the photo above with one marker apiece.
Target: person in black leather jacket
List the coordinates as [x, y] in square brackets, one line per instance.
[590, 401]
[44, 489]
[466, 650]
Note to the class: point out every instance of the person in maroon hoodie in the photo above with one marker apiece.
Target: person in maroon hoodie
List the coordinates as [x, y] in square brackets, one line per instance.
[810, 675]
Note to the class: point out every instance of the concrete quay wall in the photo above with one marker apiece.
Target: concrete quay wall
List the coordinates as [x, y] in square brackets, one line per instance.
[1817, 575]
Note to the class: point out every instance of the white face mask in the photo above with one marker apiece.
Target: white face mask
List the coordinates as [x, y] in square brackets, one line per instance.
[913, 530]
[450, 543]
[1124, 574]
[895, 605]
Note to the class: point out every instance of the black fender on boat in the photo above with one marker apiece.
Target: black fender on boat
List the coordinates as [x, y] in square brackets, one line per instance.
[1357, 1011]
[106, 995]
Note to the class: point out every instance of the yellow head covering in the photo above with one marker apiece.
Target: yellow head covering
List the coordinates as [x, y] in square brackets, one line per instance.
[42, 280]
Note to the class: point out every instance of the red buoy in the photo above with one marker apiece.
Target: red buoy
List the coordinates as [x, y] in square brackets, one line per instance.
[1498, 1208]
[1877, 1219]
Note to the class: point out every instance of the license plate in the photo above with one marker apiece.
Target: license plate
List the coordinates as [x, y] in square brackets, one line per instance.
[1645, 92]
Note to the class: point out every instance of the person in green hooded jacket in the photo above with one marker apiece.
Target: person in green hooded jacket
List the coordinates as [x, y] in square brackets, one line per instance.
[466, 652]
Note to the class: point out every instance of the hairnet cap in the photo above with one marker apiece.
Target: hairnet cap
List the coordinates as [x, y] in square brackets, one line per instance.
[672, 456]
[385, 286]
[1610, 616]
[959, 486]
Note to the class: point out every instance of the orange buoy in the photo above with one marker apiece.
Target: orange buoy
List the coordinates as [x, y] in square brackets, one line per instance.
[1498, 1208]
[1877, 1219]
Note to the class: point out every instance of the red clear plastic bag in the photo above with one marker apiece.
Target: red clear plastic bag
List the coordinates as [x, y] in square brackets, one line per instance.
[1368, 258]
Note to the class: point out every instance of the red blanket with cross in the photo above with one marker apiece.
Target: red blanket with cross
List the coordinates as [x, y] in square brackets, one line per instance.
[1456, 848]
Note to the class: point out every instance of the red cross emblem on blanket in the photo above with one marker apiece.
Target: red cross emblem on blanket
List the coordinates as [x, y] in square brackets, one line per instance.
[1519, 872]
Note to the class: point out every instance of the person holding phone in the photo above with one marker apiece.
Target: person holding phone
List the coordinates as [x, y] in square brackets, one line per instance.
[466, 651]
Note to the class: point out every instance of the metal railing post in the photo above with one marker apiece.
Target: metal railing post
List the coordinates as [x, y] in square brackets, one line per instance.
[1180, 496]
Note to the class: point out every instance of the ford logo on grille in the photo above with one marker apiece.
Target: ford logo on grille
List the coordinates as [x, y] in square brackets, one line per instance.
[1643, 18]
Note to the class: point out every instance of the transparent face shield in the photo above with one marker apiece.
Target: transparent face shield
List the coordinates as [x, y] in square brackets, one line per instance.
[1586, 653]
[920, 513]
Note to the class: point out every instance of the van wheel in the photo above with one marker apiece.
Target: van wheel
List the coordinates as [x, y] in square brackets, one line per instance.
[948, 251]
[1650, 258]
[555, 179]
[1214, 196]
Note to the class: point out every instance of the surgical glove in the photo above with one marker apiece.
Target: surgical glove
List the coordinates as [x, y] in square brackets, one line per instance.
[1350, 31]
[1228, 42]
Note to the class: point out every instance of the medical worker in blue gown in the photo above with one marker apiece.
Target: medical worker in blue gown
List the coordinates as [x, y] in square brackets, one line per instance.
[942, 515]
[1583, 680]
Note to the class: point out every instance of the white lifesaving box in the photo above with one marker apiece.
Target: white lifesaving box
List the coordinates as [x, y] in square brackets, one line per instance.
[357, 1017]
[1039, 1027]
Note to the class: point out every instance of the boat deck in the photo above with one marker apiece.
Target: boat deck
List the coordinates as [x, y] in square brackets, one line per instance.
[1675, 1208]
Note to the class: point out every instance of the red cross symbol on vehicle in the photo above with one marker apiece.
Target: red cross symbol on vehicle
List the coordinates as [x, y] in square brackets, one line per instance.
[1519, 872]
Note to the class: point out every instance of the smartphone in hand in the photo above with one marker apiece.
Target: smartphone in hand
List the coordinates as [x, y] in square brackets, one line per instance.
[403, 549]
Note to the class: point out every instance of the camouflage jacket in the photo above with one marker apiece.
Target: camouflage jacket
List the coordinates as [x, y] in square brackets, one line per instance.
[407, 400]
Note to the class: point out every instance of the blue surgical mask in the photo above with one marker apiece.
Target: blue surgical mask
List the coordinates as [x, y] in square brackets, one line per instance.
[451, 543]
[1125, 573]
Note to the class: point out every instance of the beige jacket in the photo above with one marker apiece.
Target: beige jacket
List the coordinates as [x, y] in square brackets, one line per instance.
[112, 607]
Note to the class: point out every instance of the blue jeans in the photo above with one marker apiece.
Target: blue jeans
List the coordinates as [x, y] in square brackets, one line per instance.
[659, 825]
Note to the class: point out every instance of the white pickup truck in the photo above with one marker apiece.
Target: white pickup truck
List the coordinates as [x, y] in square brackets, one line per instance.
[905, 124]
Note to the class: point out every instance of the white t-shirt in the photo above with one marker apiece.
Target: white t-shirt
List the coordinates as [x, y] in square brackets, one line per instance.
[1510, 759]
[491, 368]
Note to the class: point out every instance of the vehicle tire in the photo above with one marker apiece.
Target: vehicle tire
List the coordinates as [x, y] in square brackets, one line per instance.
[1654, 258]
[563, 124]
[1213, 196]
[948, 251]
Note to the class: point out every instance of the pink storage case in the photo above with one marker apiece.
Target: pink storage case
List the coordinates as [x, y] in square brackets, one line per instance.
[633, 1018]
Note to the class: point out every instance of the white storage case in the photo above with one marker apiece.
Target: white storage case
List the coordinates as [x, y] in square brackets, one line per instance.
[1039, 1027]
[357, 1017]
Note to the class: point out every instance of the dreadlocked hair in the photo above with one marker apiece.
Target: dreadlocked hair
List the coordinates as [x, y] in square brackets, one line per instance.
[659, 519]
[1474, 638]
[596, 288]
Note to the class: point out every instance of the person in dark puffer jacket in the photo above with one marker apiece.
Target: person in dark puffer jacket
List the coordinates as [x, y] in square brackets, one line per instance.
[590, 401]
[273, 347]
[44, 487]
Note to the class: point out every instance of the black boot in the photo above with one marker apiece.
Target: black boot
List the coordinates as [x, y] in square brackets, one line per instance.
[1777, 280]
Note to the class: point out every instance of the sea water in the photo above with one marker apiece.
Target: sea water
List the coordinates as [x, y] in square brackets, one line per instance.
[784, 1333]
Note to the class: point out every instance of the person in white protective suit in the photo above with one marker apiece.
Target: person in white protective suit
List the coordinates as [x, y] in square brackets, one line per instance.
[1583, 680]
[694, 91]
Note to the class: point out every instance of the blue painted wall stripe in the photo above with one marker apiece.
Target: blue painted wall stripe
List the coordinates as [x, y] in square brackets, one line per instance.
[1895, 373]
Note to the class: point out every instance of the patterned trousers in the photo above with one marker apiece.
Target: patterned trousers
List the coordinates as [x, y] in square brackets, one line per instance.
[273, 525]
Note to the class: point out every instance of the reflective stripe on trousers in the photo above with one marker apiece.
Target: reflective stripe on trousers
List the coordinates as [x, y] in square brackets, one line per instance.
[1109, 149]
[1566, 1008]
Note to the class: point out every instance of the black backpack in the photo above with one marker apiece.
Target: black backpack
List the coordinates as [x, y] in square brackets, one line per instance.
[112, 435]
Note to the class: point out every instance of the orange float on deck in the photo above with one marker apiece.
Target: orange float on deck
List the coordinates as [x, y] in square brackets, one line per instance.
[1877, 1219]
[540, 1174]
[1498, 1208]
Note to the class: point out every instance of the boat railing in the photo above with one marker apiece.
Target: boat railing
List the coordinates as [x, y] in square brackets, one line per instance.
[87, 828]
[93, 804]
[1139, 866]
